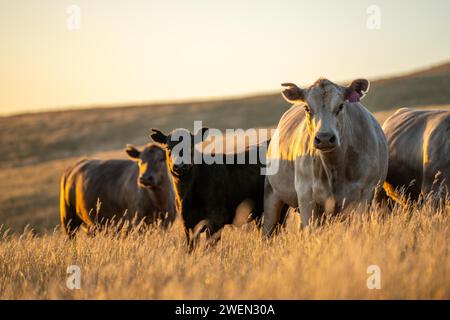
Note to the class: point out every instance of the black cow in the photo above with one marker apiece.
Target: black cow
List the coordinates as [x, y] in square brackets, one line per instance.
[211, 193]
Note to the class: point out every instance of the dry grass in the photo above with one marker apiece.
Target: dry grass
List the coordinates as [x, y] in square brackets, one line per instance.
[410, 247]
[330, 262]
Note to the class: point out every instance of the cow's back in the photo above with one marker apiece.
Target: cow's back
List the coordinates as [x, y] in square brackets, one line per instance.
[419, 147]
[106, 186]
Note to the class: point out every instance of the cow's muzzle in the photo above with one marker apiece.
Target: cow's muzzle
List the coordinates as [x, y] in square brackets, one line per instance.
[148, 182]
[325, 141]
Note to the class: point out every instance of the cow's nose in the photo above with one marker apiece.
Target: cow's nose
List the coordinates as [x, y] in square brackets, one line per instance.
[325, 140]
[180, 166]
[147, 180]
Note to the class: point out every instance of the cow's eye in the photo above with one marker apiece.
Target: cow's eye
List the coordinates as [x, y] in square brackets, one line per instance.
[307, 109]
[341, 106]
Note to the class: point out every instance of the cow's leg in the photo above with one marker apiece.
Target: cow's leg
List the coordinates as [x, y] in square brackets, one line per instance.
[434, 184]
[212, 226]
[306, 209]
[281, 225]
[381, 197]
[283, 216]
[188, 236]
[70, 220]
[272, 210]
[194, 234]
[306, 204]
[214, 232]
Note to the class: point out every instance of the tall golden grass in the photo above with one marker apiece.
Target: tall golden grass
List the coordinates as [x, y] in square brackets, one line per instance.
[409, 245]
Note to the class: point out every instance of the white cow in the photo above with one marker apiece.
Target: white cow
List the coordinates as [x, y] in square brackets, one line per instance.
[329, 152]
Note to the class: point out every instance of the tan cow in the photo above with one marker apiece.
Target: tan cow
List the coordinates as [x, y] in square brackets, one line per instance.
[328, 152]
[419, 152]
[95, 191]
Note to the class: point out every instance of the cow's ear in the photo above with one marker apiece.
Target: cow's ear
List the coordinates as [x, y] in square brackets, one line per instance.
[158, 136]
[132, 152]
[292, 93]
[356, 90]
[201, 134]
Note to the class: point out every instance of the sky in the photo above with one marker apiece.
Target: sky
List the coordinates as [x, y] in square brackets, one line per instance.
[139, 51]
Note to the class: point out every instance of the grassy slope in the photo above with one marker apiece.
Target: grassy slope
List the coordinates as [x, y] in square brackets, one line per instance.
[428, 87]
[35, 148]
[29, 194]
[31, 139]
[330, 262]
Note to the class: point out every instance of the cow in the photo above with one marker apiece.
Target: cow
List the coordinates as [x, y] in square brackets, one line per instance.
[211, 193]
[419, 153]
[329, 152]
[93, 192]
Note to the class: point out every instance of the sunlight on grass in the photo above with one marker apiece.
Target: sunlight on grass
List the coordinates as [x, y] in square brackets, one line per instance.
[409, 246]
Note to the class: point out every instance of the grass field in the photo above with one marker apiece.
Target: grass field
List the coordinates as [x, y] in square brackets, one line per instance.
[410, 245]
[331, 262]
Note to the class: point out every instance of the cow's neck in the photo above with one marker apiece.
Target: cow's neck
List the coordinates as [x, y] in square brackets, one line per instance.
[173, 200]
[153, 198]
[183, 186]
[157, 197]
[328, 165]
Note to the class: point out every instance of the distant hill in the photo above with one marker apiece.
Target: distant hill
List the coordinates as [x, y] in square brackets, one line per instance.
[426, 87]
[34, 138]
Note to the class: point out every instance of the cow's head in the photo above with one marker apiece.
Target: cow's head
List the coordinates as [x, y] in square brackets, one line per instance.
[325, 104]
[152, 165]
[180, 144]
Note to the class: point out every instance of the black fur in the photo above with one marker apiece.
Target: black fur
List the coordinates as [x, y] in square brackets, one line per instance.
[211, 193]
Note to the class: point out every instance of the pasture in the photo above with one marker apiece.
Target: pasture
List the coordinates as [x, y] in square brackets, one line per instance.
[104, 197]
[29, 185]
[409, 246]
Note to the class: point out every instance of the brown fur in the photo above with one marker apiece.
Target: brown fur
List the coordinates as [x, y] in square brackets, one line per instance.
[95, 191]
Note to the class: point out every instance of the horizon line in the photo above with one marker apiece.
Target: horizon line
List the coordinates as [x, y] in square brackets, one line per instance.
[202, 99]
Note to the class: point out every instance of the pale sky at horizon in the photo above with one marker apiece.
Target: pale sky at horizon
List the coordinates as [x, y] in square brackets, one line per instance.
[143, 51]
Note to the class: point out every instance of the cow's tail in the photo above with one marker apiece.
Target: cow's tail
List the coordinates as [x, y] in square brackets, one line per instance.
[394, 195]
[67, 213]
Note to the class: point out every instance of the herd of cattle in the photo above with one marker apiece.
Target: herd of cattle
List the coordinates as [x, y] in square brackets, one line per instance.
[330, 152]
